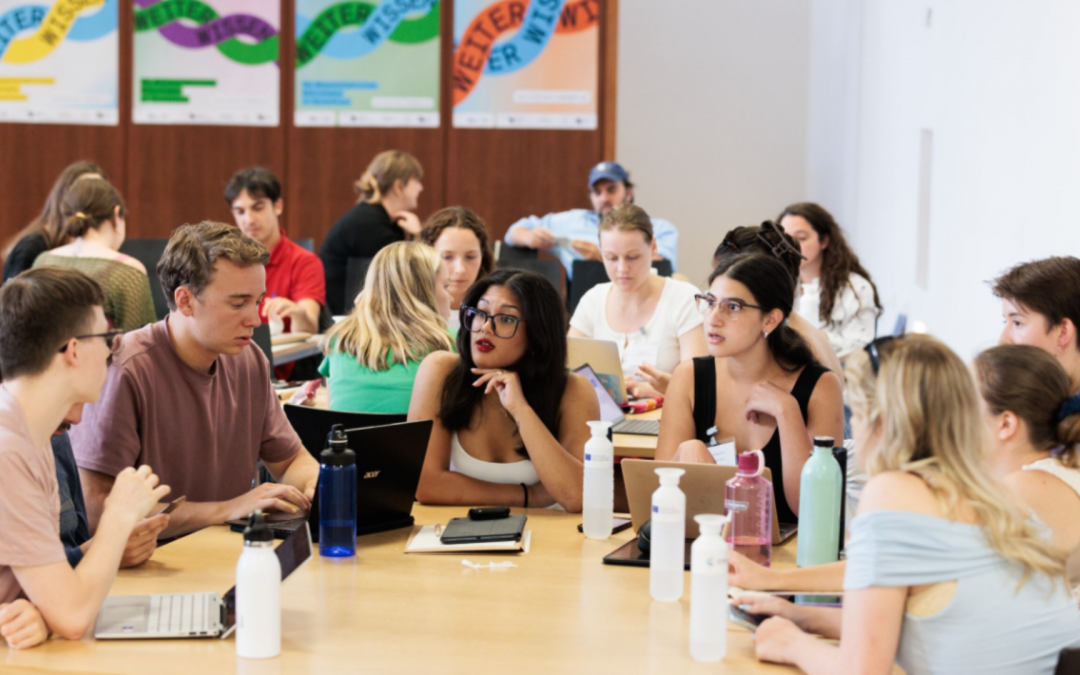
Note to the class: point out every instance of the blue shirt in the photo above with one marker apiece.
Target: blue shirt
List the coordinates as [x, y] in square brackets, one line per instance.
[584, 224]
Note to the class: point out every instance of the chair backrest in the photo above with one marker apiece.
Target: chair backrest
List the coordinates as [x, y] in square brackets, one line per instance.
[506, 255]
[901, 325]
[550, 269]
[588, 273]
[355, 272]
[261, 337]
[313, 425]
[307, 243]
[149, 252]
[1068, 662]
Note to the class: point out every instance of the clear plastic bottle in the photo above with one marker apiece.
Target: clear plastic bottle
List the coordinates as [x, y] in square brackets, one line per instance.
[598, 494]
[258, 593]
[748, 498]
[708, 590]
[337, 497]
[667, 547]
[820, 492]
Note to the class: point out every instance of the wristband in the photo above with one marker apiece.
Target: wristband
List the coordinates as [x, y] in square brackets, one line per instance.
[525, 489]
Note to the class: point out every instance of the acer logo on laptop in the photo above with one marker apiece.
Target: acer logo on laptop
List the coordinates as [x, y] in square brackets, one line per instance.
[371, 474]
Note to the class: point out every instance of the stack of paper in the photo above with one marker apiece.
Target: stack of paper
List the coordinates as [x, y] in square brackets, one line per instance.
[426, 540]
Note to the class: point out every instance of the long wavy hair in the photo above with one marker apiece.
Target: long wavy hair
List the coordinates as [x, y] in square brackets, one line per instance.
[925, 405]
[396, 319]
[542, 369]
[838, 261]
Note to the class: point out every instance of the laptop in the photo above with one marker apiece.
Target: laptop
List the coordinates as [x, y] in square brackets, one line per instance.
[188, 615]
[703, 485]
[388, 463]
[603, 357]
[610, 411]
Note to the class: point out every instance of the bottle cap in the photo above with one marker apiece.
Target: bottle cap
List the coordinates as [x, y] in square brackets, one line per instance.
[669, 476]
[824, 442]
[710, 523]
[337, 452]
[748, 463]
[599, 428]
[257, 529]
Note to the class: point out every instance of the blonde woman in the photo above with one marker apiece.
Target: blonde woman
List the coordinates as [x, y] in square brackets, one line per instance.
[372, 356]
[389, 193]
[945, 572]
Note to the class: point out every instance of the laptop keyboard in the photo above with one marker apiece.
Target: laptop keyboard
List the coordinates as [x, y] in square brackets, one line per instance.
[638, 427]
[183, 613]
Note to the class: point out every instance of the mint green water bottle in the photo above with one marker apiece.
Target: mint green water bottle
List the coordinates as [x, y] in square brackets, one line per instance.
[820, 492]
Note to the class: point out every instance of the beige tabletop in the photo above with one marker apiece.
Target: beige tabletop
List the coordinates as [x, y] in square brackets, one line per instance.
[627, 445]
[559, 611]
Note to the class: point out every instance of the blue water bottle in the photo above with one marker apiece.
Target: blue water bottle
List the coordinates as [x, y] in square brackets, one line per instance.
[337, 497]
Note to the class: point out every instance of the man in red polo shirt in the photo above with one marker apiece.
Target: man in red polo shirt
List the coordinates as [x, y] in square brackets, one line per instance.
[295, 282]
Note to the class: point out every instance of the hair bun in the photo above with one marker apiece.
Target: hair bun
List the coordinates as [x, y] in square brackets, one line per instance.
[1069, 407]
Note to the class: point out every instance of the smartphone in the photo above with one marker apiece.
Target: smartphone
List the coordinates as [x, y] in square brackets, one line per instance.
[172, 505]
[617, 525]
[814, 600]
[489, 513]
[745, 619]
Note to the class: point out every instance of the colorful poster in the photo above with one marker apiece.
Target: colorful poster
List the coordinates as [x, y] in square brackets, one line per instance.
[367, 64]
[213, 62]
[526, 64]
[59, 61]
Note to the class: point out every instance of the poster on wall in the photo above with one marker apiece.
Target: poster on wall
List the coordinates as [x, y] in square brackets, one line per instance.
[526, 64]
[367, 64]
[212, 62]
[59, 61]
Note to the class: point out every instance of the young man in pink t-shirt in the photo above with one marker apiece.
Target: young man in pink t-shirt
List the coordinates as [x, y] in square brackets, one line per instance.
[55, 346]
[191, 394]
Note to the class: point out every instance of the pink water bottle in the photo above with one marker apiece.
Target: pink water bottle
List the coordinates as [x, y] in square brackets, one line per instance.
[748, 498]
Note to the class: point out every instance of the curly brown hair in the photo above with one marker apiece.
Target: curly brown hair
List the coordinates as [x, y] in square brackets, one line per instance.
[466, 219]
[838, 261]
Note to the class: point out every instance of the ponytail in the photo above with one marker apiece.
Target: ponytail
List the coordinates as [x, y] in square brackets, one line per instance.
[1068, 431]
[87, 204]
[789, 348]
[77, 224]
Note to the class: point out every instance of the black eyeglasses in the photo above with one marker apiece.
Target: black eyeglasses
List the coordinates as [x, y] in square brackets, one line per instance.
[873, 350]
[503, 325]
[782, 245]
[114, 339]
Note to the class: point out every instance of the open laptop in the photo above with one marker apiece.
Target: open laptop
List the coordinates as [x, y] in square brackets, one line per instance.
[610, 411]
[703, 485]
[603, 357]
[388, 463]
[188, 615]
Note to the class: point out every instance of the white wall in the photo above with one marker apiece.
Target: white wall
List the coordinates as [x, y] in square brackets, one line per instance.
[995, 83]
[712, 114]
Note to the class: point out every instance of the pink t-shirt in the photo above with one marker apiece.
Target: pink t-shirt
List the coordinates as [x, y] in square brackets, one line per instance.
[29, 500]
[201, 432]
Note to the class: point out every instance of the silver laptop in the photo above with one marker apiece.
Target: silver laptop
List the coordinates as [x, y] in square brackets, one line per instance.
[610, 411]
[188, 615]
[603, 356]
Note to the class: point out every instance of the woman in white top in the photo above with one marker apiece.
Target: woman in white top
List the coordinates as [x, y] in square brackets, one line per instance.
[836, 293]
[461, 239]
[510, 421]
[653, 319]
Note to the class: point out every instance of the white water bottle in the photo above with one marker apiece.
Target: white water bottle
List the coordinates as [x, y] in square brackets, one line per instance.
[667, 546]
[708, 590]
[258, 594]
[598, 495]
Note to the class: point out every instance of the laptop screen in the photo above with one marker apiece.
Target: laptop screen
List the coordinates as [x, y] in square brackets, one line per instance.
[609, 409]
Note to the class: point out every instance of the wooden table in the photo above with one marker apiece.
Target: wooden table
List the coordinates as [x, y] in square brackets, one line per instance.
[560, 611]
[627, 445]
[294, 351]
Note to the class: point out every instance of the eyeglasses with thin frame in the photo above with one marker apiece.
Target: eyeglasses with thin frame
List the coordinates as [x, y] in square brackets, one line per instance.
[730, 308]
[503, 325]
[873, 350]
[114, 339]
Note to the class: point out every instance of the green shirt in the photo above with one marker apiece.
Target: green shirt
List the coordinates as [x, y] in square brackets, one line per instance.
[356, 388]
[128, 303]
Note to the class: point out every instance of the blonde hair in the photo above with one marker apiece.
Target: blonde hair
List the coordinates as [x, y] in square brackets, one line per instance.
[387, 167]
[628, 218]
[924, 403]
[396, 319]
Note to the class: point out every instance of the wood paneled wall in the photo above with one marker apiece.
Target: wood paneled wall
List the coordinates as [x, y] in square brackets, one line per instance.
[170, 175]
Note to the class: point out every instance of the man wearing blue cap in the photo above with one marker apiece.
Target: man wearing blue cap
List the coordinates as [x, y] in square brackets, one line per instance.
[573, 235]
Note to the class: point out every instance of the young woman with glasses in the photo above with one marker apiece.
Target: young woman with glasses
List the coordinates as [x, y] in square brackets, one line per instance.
[651, 318]
[509, 419]
[759, 384]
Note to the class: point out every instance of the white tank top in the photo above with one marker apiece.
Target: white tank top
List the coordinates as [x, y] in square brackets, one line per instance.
[491, 472]
[1070, 477]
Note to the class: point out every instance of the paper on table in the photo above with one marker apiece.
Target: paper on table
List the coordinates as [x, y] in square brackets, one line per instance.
[425, 540]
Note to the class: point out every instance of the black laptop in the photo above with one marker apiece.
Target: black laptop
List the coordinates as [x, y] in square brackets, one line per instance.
[388, 463]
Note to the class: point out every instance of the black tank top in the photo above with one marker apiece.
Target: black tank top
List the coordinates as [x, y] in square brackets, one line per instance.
[705, 419]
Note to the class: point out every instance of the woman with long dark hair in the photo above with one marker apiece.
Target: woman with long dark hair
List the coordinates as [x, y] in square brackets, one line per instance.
[759, 385]
[510, 421]
[836, 293]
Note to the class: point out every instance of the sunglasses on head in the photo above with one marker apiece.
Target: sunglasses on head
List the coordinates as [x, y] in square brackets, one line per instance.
[873, 350]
